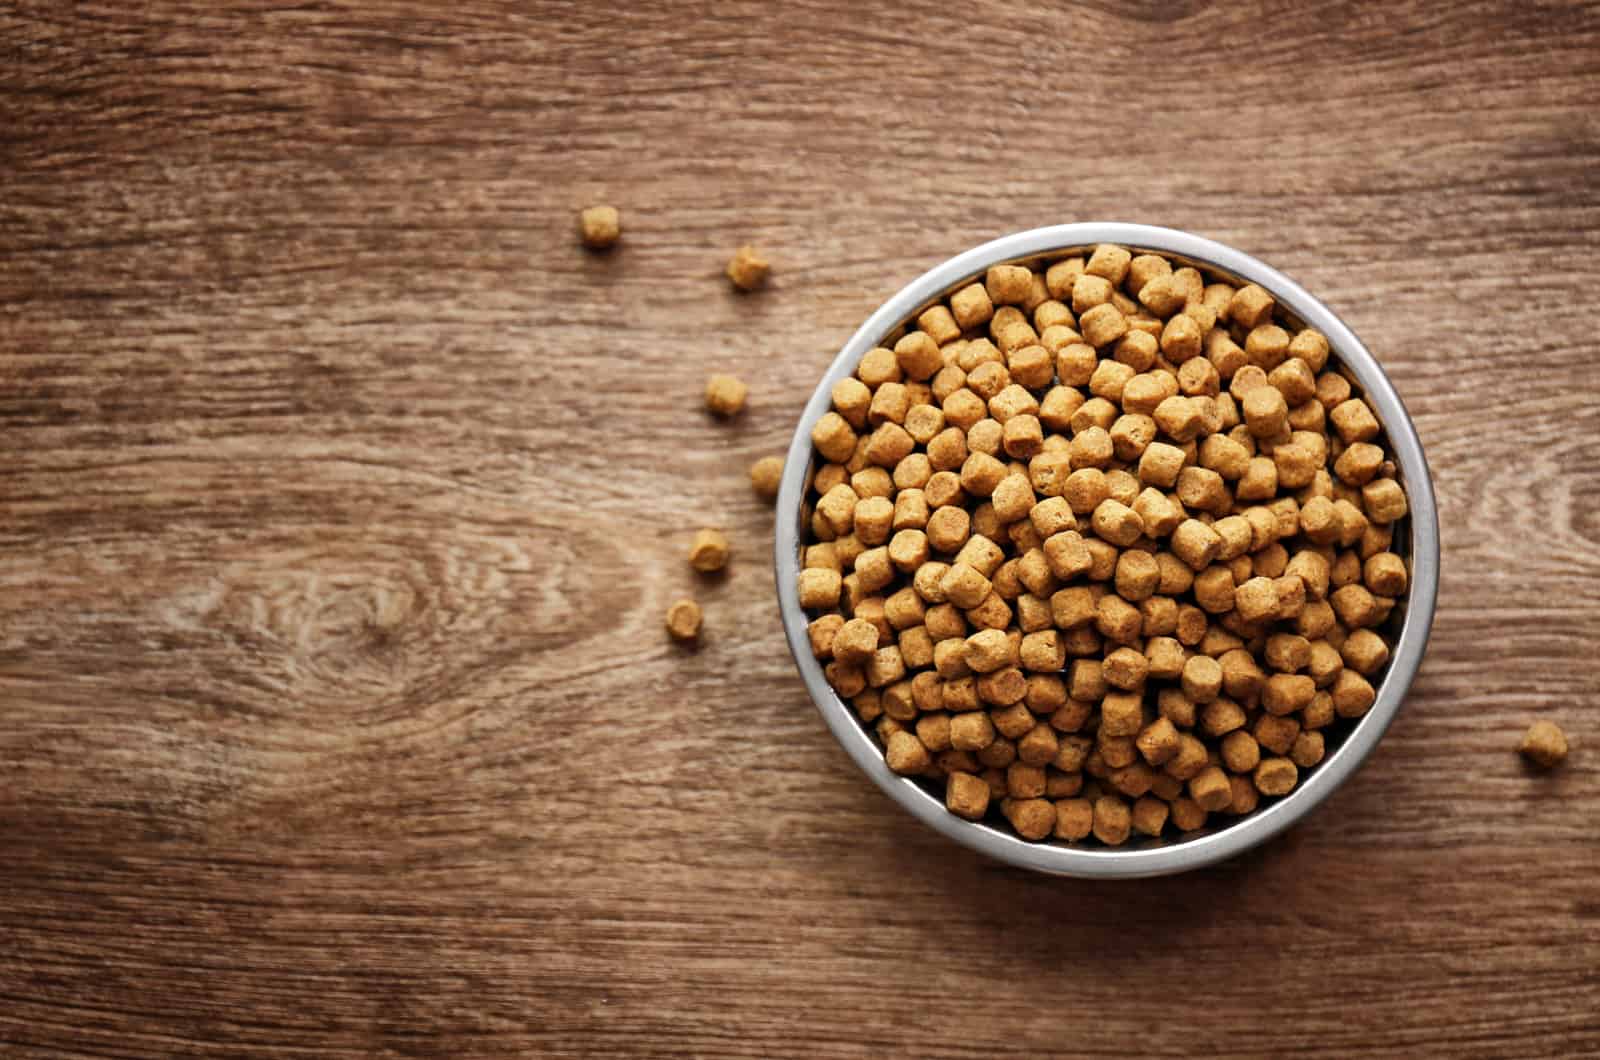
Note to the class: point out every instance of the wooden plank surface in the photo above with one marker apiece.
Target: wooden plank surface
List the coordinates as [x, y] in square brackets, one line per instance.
[344, 494]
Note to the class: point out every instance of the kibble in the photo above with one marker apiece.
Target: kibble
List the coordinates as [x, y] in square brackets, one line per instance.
[1105, 547]
[683, 620]
[1544, 744]
[748, 270]
[600, 226]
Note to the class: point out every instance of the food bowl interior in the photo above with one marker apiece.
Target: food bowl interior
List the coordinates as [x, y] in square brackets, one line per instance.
[1348, 741]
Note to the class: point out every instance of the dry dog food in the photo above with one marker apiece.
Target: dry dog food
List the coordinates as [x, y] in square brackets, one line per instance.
[683, 620]
[600, 226]
[725, 395]
[1545, 745]
[765, 475]
[708, 551]
[1102, 548]
[748, 270]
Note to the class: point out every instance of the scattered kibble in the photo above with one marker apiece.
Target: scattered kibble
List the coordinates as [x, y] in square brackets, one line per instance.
[683, 620]
[600, 226]
[1544, 744]
[765, 474]
[748, 269]
[708, 551]
[1104, 549]
[725, 395]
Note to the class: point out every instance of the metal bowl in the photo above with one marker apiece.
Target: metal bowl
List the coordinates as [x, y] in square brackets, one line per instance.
[1416, 538]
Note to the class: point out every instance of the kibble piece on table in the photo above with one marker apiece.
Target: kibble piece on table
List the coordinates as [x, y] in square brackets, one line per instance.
[1103, 535]
[600, 226]
[708, 551]
[725, 395]
[1544, 744]
[748, 269]
[765, 475]
[683, 620]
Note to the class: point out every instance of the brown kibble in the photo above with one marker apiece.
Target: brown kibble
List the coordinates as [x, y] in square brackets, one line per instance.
[1352, 694]
[1544, 744]
[971, 731]
[747, 270]
[1276, 733]
[683, 620]
[1384, 500]
[1276, 776]
[1074, 819]
[1112, 820]
[1032, 818]
[906, 755]
[966, 796]
[1210, 789]
[1158, 742]
[855, 642]
[1307, 749]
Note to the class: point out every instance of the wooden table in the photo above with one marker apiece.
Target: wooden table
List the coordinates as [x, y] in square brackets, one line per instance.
[344, 495]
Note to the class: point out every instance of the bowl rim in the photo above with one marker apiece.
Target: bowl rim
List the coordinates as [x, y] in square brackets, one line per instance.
[1231, 839]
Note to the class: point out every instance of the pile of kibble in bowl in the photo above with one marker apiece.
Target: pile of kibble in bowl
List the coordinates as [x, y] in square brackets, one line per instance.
[1102, 549]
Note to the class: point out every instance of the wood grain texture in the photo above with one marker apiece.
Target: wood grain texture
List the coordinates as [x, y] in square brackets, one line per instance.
[344, 494]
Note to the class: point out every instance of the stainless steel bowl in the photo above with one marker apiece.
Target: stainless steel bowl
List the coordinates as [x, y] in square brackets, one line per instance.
[1418, 541]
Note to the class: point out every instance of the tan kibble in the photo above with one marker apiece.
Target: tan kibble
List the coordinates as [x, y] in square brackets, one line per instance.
[918, 356]
[821, 631]
[848, 681]
[1276, 776]
[1364, 652]
[725, 396]
[1286, 693]
[748, 270]
[971, 731]
[1110, 262]
[600, 227]
[708, 551]
[1220, 717]
[765, 475]
[1250, 306]
[1256, 599]
[971, 306]
[1354, 421]
[1117, 620]
[1202, 678]
[1265, 411]
[1117, 523]
[1103, 325]
[819, 588]
[1266, 346]
[1384, 500]
[1544, 744]
[1180, 418]
[855, 642]
[683, 621]
[1166, 655]
[1214, 590]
